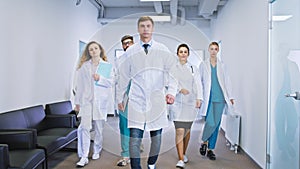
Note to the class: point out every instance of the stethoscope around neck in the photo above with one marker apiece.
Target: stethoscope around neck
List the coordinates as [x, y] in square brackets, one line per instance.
[192, 70]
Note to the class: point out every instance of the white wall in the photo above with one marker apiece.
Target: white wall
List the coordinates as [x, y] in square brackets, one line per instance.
[39, 49]
[242, 26]
[39, 44]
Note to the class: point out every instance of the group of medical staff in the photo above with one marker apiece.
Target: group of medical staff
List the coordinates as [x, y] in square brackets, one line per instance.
[151, 77]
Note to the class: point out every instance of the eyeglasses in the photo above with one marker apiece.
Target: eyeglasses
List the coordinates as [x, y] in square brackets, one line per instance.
[129, 42]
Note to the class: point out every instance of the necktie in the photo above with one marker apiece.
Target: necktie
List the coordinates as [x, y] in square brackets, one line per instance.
[146, 47]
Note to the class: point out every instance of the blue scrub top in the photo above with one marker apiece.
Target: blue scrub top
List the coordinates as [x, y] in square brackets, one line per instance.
[216, 93]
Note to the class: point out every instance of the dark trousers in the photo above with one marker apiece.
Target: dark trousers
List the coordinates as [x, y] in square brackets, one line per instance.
[136, 136]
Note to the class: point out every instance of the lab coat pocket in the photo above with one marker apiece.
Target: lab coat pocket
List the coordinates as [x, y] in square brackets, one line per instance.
[189, 99]
[175, 109]
[103, 105]
[231, 110]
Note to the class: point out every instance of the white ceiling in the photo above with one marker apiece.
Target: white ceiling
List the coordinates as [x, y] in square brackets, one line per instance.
[203, 10]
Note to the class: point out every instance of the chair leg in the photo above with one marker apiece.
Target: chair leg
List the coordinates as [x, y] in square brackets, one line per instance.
[46, 163]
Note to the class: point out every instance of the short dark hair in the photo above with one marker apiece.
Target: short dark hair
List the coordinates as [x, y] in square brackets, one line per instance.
[183, 45]
[126, 37]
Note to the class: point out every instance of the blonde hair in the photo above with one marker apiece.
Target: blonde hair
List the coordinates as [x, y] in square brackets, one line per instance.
[214, 43]
[86, 55]
[145, 18]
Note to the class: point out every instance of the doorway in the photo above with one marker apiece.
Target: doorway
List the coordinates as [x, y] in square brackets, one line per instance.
[284, 80]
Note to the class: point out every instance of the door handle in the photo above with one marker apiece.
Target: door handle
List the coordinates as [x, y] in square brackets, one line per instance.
[295, 95]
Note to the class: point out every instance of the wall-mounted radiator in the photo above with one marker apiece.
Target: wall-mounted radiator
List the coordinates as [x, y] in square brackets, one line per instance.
[232, 131]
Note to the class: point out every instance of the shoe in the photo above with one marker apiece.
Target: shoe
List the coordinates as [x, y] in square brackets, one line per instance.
[203, 149]
[211, 155]
[95, 156]
[82, 162]
[151, 166]
[123, 162]
[180, 164]
[185, 159]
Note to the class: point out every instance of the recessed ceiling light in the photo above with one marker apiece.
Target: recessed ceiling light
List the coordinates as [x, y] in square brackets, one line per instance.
[281, 17]
[162, 18]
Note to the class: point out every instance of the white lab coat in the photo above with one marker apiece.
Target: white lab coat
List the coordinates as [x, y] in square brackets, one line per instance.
[149, 75]
[98, 94]
[188, 77]
[224, 81]
[118, 64]
[95, 100]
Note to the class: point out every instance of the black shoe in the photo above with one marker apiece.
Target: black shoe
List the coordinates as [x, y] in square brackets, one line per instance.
[203, 149]
[211, 155]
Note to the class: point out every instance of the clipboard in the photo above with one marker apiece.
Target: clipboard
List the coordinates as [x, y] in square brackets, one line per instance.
[104, 69]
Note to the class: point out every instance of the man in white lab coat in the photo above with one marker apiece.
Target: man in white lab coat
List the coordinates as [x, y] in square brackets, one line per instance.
[126, 41]
[147, 68]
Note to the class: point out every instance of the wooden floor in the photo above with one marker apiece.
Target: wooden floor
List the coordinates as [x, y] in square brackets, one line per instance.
[226, 159]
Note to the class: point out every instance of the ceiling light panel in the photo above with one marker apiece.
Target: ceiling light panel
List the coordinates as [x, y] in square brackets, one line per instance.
[152, 0]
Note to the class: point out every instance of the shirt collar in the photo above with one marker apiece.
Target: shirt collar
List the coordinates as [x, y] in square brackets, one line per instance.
[149, 43]
[186, 64]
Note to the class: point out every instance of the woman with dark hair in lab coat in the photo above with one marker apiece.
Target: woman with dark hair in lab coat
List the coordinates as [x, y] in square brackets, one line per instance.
[183, 111]
[217, 96]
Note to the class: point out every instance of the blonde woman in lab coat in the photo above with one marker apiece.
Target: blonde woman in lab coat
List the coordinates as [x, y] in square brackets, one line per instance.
[189, 97]
[217, 96]
[93, 101]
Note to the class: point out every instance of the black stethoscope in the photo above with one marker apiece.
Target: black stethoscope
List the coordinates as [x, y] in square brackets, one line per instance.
[192, 70]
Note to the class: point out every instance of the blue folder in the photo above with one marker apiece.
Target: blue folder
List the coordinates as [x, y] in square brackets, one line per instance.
[104, 69]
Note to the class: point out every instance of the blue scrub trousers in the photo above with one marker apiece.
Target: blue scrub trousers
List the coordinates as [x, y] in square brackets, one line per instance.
[125, 132]
[212, 123]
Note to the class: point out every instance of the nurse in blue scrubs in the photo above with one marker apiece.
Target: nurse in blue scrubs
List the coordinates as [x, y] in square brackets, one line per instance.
[217, 95]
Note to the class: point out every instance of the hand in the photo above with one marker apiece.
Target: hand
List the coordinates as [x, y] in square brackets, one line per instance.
[121, 106]
[198, 103]
[96, 77]
[232, 101]
[184, 91]
[170, 99]
[77, 108]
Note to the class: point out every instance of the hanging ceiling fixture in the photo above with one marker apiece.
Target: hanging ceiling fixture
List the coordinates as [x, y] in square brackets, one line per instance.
[281, 17]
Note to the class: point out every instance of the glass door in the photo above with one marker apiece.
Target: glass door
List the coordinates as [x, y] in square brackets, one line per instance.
[284, 85]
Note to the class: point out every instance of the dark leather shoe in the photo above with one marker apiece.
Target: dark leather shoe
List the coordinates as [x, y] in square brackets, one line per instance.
[203, 149]
[211, 155]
